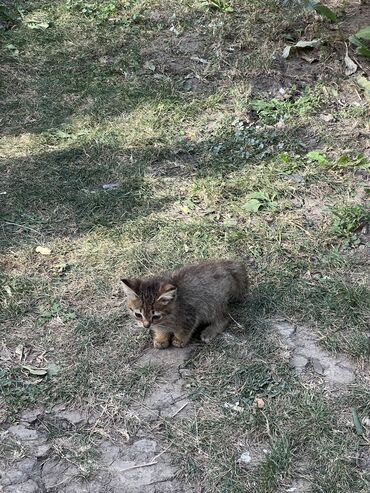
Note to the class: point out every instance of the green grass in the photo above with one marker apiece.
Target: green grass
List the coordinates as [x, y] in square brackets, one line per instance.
[179, 106]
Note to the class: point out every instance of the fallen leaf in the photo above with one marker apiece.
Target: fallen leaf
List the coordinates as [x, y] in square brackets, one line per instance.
[37, 25]
[350, 64]
[233, 407]
[33, 370]
[43, 250]
[300, 45]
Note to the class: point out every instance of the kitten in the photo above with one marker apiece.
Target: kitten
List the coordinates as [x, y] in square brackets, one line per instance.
[174, 305]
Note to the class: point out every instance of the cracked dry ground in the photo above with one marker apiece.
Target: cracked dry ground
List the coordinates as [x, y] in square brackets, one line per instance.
[143, 463]
[132, 465]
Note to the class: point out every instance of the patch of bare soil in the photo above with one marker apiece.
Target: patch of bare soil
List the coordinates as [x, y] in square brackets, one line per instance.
[142, 466]
[169, 397]
[309, 360]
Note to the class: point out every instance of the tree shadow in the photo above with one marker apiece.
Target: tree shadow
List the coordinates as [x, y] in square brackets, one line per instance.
[72, 191]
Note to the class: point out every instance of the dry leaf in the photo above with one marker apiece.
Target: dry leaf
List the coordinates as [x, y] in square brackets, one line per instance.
[301, 45]
[350, 64]
[43, 250]
[233, 407]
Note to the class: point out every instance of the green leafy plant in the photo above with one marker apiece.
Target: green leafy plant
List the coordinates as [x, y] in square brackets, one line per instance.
[347, 220]
[260, 200]
[324, 11]
[220, 6]
[272, 110]
[100, 11]
[47, 313]
[317, 157]
[348, 162]
[362, 41]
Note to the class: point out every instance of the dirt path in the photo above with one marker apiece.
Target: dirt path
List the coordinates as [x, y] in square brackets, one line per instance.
[142, 466]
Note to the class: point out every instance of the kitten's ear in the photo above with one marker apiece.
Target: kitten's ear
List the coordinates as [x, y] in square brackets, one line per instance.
[168, 293]
[131, 287]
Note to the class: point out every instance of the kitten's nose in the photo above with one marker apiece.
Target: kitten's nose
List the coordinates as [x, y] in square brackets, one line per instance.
[146, 324]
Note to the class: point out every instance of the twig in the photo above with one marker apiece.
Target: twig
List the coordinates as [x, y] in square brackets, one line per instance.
[179, 410]
[161, 453]
[235, 322]
[22, 226]
[153, 463]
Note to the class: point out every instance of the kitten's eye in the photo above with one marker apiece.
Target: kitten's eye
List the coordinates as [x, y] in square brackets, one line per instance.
[138, 315]
[156, 317]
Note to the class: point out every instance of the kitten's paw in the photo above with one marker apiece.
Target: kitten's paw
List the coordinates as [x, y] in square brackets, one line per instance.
[162, 344]
[178, 342]
[207, 336]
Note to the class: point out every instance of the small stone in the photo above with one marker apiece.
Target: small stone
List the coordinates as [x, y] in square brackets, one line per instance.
[23, 433]
[245, 458]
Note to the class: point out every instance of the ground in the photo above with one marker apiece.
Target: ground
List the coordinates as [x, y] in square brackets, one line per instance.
[138, 136]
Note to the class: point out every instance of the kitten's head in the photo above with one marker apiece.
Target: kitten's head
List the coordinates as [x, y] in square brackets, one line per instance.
[149, 300]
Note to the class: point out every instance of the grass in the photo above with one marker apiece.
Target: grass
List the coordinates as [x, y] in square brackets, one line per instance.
[179, 107]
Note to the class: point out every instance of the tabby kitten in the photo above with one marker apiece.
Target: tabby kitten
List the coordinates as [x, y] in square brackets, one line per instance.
[174, 305]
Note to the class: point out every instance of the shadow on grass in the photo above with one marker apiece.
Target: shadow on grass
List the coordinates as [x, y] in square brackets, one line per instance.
[71, 191]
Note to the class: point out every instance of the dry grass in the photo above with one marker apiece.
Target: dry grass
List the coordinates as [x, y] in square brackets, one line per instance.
[180, 105]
